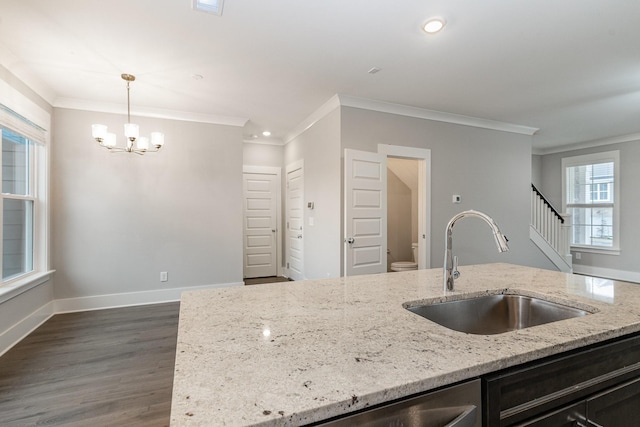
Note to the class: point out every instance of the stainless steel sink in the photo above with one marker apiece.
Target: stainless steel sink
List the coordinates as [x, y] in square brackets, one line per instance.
[495, 314]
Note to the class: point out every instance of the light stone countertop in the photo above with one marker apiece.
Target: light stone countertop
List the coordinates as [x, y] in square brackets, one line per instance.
[293, 353]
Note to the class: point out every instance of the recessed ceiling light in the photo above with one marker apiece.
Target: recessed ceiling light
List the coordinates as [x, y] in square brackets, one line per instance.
[433, 25]
[374, 70]
[197, 76]
[266, 133]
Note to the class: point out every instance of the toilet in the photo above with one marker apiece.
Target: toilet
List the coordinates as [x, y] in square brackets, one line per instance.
[407, 265]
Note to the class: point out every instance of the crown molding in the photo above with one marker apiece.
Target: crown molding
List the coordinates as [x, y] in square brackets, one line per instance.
[313, 118]
[439, 116]
[158, 113]
[341, 100]
[588, 144]
[270, 141]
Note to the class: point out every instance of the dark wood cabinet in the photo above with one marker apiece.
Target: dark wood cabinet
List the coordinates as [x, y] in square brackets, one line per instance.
[568, 416]
[618, 406]
[594, 386]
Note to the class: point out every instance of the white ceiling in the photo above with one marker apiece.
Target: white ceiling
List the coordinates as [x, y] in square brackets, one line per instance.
[570, 68]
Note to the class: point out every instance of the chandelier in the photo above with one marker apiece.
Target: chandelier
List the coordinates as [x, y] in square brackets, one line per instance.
[131, 132]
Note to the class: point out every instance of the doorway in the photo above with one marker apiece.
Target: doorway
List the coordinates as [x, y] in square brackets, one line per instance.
[365, 208]
[261, 217]
[420, 158]
[402, 209]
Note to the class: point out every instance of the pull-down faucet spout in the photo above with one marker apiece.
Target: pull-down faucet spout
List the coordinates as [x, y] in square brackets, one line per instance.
[450, 262]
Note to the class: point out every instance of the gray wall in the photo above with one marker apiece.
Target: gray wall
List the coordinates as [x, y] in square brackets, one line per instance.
[629, 204]
[254, 154]
[119, 219]
[536, 171]
[491, 170]
[319, 148]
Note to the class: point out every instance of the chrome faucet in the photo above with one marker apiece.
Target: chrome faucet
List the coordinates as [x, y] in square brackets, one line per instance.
[451, 262]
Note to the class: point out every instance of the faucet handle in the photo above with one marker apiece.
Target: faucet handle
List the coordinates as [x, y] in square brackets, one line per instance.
[456, 273]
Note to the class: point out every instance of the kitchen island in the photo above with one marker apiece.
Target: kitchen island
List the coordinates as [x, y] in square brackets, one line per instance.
[294, 353]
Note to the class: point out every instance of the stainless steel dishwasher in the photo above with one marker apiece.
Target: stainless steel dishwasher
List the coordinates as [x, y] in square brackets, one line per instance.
[455, 406]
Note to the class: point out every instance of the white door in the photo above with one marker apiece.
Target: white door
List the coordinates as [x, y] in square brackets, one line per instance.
[365, 177]
[260, 224]
[295, 221]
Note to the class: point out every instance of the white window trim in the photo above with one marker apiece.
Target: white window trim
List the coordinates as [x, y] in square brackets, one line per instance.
[19, 103]
[595, 250]
[587, 159]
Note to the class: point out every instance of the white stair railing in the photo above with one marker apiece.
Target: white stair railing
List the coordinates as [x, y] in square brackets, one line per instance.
[552, 226]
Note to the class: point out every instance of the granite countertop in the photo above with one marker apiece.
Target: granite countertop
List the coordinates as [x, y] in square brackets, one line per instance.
[297, 352]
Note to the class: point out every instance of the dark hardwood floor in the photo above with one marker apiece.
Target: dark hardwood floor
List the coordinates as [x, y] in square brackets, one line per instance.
[262, 280]
[97, 368]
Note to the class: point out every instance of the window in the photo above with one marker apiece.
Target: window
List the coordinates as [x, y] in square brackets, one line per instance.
[17, 205]
[23, 206]
[590, 195]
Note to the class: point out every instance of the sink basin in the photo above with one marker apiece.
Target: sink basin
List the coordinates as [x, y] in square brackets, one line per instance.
[495, 314]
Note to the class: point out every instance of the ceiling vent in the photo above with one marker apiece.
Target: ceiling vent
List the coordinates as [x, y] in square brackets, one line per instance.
[209, 6]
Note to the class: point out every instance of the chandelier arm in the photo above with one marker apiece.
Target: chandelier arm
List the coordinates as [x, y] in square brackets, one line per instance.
[115, 149]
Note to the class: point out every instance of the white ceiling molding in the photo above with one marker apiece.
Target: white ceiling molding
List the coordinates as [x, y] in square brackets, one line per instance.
[270, 141]
[439, 116]
[404, 110]
[158, 113]
[588, 144]
[325, 109]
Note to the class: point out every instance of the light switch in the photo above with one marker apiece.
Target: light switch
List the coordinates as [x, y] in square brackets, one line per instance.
[456, 198]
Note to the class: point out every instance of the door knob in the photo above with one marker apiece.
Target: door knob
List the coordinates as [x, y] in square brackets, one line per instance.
[350, 240]
[299, 236]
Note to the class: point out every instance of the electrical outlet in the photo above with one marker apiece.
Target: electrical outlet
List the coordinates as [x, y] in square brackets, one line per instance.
[164, 276]
[578, 255]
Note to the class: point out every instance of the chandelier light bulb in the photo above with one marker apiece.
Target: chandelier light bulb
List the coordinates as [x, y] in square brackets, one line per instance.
[157, 139]
[110, 140]
[131, 131]
[99, 132]
[143, 143]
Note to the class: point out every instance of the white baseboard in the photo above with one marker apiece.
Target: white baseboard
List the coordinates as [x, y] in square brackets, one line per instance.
[28, 324]
[24, 327]
[607, 273]
[100, 302]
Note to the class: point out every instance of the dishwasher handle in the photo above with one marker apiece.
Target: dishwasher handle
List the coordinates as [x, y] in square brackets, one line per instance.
[465, 419]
